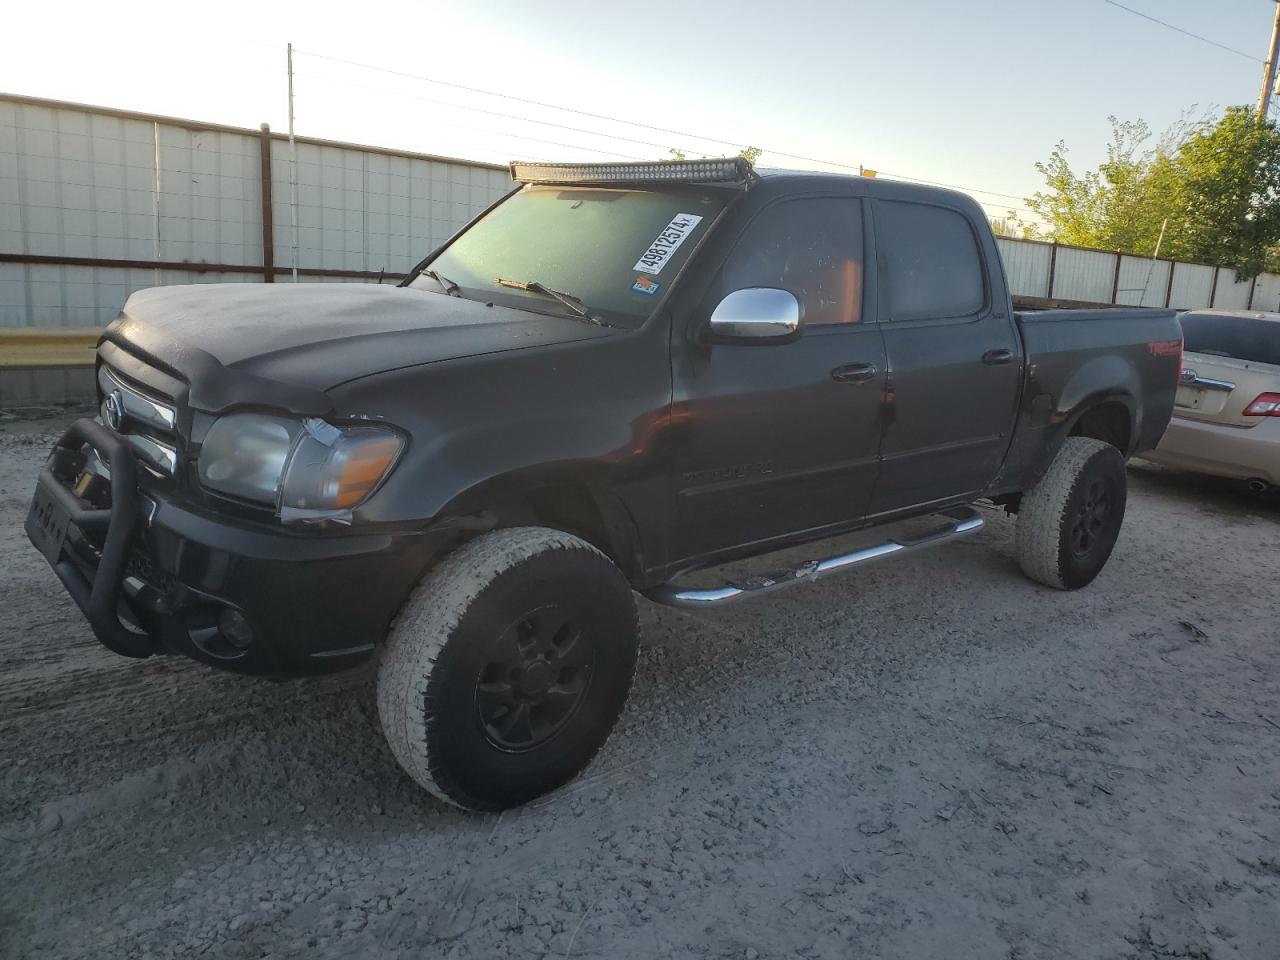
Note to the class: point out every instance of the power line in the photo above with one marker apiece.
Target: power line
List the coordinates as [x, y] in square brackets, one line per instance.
[547, 106]
[632, 123]
[1187, 33]
[492, 113]
[596, 133]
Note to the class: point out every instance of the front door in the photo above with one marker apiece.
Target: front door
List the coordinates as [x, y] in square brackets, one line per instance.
[954, 356]
[781, 438]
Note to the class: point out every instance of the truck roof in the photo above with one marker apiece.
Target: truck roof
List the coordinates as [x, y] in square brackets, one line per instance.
[873, 186]
[731, 172]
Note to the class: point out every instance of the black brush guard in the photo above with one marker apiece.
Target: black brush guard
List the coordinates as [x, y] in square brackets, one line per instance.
[59, 518]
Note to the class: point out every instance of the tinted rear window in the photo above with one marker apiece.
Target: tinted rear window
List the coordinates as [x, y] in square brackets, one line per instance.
[1242, 338]
[934, 268]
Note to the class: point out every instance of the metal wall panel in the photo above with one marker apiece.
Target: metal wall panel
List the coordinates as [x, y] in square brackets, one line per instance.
[40, 295]
[1142, 282]
[1231, 295]
[210, 196]
[1084, 275]
[1026, 265]
[1266, 295]
[1192, 286]
[76, 184]
[83, 182]
[371, 211]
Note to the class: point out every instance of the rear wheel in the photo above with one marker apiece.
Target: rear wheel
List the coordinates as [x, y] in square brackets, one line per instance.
[1068, 523]
[508, 667]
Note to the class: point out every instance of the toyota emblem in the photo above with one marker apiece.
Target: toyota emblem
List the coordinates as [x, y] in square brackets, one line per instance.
[1188, 375]
[113, 409]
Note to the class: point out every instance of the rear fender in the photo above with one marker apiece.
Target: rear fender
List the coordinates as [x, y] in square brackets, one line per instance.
[1067, 423]
[1108, 378]
[1050, 416]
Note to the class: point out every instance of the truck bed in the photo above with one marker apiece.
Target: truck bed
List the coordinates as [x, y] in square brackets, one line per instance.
[1128, 357]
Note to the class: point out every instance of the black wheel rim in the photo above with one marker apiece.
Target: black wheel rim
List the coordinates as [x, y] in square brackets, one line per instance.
[1092, 519]
[535, 679]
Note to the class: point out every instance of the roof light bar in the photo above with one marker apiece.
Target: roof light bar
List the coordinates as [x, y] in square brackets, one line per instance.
[725, 169]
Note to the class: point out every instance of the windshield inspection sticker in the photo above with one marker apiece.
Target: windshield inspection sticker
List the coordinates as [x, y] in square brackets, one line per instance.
[667, 243]
[646, 286]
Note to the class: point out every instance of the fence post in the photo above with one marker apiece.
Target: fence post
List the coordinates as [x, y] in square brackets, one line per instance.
[1115, 282]
[268, 232]
[1253, 286]
[1053, 265]
[1168, 287]
[1213, 287]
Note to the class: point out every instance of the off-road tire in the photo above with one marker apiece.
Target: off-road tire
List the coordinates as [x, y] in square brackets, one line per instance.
[446, 649]
[1053, 549]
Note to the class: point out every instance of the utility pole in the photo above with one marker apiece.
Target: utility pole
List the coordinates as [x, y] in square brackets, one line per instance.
[1269, 69]
[293, 175]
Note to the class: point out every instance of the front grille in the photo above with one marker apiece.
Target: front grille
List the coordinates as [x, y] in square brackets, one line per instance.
[148, 423]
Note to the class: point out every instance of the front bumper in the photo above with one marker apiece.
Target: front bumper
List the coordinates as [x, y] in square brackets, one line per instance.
[1241, 453]
[152, 576]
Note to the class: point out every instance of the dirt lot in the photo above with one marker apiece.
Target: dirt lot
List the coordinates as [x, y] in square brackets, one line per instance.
[934, 758]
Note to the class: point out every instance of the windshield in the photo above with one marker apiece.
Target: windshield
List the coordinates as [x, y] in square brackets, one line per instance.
[612, 249]
[1242, 338]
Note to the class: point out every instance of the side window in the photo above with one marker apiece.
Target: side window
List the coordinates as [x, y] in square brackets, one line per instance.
[932, 258]
[810, 247]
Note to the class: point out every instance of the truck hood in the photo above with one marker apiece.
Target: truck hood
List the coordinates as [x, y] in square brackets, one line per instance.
[314, 336]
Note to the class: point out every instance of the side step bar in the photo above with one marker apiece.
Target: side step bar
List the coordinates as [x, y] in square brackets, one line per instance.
[961, 521]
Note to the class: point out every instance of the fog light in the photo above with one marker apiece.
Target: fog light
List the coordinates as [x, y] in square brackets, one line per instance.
[235, 628]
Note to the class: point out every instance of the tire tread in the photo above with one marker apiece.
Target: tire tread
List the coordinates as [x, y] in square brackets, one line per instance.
[1043, 512]
[424, 627]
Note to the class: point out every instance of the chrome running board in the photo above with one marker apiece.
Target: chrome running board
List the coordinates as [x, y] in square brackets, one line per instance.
[961, 521]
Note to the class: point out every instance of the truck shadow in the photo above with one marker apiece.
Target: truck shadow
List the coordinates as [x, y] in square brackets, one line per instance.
[1230, 495]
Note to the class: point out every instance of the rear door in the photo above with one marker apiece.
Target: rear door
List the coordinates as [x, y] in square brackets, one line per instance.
[1230, 362]
[954, 355]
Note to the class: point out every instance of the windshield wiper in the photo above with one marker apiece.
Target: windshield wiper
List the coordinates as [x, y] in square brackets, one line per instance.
[451, 288]
[569, 300]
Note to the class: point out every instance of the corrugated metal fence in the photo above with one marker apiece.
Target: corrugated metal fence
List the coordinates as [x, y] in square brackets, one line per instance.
[1040, 271]
[97, 203]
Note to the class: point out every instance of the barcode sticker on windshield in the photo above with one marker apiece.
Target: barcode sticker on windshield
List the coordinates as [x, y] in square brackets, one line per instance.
[667, 243]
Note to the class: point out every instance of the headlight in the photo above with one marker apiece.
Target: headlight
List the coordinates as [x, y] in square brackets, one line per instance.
[307, 469]
[244, 455]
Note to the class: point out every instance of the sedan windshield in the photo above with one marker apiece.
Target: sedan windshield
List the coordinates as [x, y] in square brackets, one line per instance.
[612, 250]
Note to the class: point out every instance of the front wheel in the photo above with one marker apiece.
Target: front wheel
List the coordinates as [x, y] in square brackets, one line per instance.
[508, 667]
[1068, 523]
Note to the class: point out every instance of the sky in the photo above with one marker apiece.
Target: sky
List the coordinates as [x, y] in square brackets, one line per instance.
[964, 93]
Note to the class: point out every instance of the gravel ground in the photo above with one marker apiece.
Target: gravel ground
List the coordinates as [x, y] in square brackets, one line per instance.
[934, 758]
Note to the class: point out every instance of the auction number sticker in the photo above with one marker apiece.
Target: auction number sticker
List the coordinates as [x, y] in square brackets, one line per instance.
[667, 243]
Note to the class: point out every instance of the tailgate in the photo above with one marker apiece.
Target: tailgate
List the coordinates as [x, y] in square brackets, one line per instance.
[1218, 389]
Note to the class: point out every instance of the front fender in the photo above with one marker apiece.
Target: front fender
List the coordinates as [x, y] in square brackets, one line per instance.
[590, 416]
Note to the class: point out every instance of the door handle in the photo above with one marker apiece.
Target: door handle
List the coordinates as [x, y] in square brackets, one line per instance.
[994, 358]
[854, 373]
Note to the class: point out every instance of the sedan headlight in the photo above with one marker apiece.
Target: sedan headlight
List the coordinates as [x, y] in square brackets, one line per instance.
[307, 469]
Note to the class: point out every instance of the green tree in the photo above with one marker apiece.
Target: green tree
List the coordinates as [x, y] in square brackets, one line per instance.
[1216, 183]
[1229, 192]
[1118, 206]
[1009, 226]
[750, 154]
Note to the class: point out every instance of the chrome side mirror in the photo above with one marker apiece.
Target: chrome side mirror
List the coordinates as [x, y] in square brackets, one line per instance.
[756, 315]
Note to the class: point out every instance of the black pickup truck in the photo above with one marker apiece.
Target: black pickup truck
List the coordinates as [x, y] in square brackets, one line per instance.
[616, 375]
